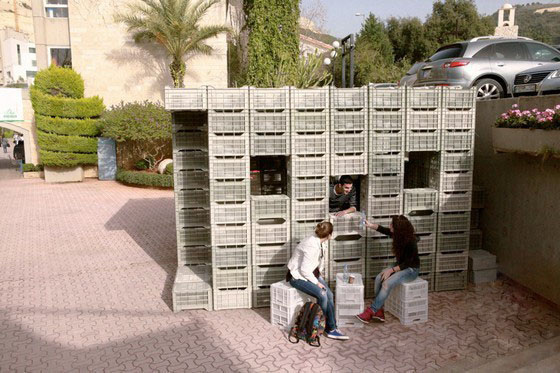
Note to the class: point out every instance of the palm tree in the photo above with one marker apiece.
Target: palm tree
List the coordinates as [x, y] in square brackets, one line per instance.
[175, 24]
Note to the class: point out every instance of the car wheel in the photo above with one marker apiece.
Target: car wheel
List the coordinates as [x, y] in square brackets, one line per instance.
[488, 89]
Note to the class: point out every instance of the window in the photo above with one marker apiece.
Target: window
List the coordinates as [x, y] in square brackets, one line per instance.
[510, 52]
[450, 51]
[60, 57]
[34, 63]
[32, 50]
[18, 48]
[539, 52]
[484, 53]
[56, 8]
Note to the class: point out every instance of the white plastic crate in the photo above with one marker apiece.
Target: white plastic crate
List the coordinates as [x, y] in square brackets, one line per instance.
[269, 122]
[457, 140]
[348, 164]
[310, 144]
[383, 185]
[195, 179]
[192, 295]
[193, 237]
[452, 181]
[386, 165]
[456, 161]
[199, 217]
[384, 206]
[261, 297]
[445, 281]
[420, 199]
[227, 257]
[348, 98]
[346, 314]
[230, 235]
[190, 160]
[483, 276]
[229, 191]
[453, 241]
[454, 201]
[193, 255]
[347, 249]
[268, 275]
[427, 263]
[308, 188]
[309, 122]
[230, 278]
[271, 254]
[310, 210]
[427, 243]
[270, 207]
[347, 293]
[422, 140]
[230, 213]
[354, 266]
[193, 274]
[475, 218]
[190, 140]
[386, 142]
[305, 166]
[386, 120]
[309, 99]
[192, 198]
[423, 97]
[348, 143]
[454, 221]
[423, 119]
[408, 291]
[381, 220]
[229, 168]
[408, 312]
[480, 259]
[228, 145]
[301, 230]
[423, 223]
[269, 98]
[228, 122]
[379, 247]
[285, 303]
[185, 98]
[189, 120]
[452, 261]
[271, 233]
[375, 266]
[430, 278]
[342, 121]
[228, 99]
[458, 119]
[231, 299]
[349, 224]
[475, 240]
[455, 98]
[269, 144]
[386, 98]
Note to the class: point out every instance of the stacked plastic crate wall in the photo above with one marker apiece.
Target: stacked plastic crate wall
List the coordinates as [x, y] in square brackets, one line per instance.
[347, 247]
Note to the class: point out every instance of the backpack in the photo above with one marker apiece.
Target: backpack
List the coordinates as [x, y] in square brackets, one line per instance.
[309, 326]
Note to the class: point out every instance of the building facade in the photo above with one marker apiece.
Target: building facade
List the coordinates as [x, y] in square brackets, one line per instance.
[18, 59]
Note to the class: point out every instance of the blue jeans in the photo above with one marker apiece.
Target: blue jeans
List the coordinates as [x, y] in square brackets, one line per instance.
[383, 288]
[325, 300]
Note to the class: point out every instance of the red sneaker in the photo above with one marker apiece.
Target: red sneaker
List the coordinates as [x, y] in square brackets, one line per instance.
[365, 316]
[379, 315]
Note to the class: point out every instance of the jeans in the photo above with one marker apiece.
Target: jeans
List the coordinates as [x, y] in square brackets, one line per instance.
[325, 300]
[383, 288]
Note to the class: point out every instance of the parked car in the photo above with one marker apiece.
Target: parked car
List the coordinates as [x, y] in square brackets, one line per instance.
[410, 77]
[542, 80]
[488, 63]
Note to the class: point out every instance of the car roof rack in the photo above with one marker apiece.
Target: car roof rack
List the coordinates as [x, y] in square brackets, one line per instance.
[492, 37]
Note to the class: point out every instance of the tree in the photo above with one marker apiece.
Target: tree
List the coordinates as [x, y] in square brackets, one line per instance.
[175, 25]
[407, 36]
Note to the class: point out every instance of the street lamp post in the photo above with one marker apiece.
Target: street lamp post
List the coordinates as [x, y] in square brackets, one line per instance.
[348, 45]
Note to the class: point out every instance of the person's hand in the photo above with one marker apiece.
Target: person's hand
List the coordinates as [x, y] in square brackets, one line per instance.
[386, 274]
[320, 285]
[341, 213]
[371, 225]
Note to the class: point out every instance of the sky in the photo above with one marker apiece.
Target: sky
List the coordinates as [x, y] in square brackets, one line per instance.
[341, 19]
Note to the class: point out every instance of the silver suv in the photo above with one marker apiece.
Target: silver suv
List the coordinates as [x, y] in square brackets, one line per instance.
[490, 63]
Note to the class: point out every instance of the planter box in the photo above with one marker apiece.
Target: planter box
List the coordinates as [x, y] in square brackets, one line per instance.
[34, 175]
[64, 175]
[527, 141]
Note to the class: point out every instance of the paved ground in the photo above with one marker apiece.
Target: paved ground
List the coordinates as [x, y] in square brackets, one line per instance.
[8, 168]
[85, 286]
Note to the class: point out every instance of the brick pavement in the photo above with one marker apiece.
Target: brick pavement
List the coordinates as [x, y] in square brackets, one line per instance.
[86, 286]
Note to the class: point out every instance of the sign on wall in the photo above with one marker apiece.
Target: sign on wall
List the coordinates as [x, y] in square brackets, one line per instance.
[11, 105]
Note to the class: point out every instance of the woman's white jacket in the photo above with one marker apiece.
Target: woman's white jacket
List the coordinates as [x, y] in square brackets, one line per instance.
[307, 256]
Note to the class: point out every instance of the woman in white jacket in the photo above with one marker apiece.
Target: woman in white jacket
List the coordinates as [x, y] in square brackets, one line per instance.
[305, 266]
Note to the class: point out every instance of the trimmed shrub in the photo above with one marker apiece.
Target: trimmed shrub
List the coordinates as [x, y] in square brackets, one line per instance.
[30, 167]
[59, 81]
[141, 165]
[58, 159]
[66, 126]
[168, 169]
[70, 144]
[145, 179]
[64, 107]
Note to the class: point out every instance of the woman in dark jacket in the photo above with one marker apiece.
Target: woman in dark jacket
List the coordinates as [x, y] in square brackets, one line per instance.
[405, 250]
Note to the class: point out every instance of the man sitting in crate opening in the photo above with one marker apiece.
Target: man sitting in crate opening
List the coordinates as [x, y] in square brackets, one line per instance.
[342, 197]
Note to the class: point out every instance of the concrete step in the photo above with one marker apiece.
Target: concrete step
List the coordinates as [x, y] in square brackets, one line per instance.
[550, 364]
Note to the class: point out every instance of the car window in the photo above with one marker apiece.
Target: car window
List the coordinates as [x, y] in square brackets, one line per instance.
[541, 52]
[450, 51]
[485, 52]
[510, 52]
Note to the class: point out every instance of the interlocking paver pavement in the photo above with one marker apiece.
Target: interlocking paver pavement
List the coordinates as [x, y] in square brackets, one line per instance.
[86, 283]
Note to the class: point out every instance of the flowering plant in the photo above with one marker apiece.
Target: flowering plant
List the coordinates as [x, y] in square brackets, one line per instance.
[532, 119]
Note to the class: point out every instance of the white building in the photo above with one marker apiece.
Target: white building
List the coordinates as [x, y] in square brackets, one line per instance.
[18, 58]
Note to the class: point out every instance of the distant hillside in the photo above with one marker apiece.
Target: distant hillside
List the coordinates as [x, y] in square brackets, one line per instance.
[536, 22]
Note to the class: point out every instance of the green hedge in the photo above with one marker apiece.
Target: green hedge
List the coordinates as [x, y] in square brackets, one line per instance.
[53, 106]
[30, 167]
[68, 126]
[145, 179]
[70, 144]
[169, 169]
[60, 81]
[56, 159]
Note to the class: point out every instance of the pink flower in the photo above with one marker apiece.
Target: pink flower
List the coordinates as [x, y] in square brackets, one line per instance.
[526, 112]
[542, 120]
[535, 110]
[549, 111]
[514, 106]
[557, 107]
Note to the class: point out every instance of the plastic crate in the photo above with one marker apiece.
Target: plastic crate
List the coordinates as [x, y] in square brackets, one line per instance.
[423, 98]
[348, 164]
[191, 180]
[227, 145]
[231, 299]
[420, 199]
[386, 165]
[230, 213]
[454, 221]
[309, 99]
[301, 230]
[190, 140]
[349, 224]
[348, 98]
[384, 206]
[230, 235]
[369, 288]
[347, 249]
[477, 197]
[458, 120]
[189, 120]
[269, 122]
[423, 119]
[345, 314]
[454, 241]
[452, 181]
[308, 188]
[430, 278]
[427, 263]
[261, 297]
[348, 143]
[383, 185]
[230, 278]
[457, 140]
[199, 217]
[228, 99]
[347, 293]
[408, 291]
[226, 257]
[354, 266]
[386, 98]
[455, 98]
[417, 140]
[270, 207]
[384, 221]
[309, 122]
[310, 144]
[475, 240]
[386, 120]
[185, 98]
[192, 198]
[192, 295]
[386, 142]
[456, 161]
[305, 166]
[379, 247]
[480, 259]
[342, 121]
[483, 276]
[475, 218]
[271, 233]
[193, 274]
[269, 98]
[285, 303]
[452, 261]
[228, 122]
[267, 144]
[427, 243]
[229, 191]
[375, 266]
[310, 210]
[271, 254]
[190, 160]
[194, 255]
[229, 168]
[423, 223]
[268, 275]
[445, 281]
[408, 312]
[193, 237]
[454, 201]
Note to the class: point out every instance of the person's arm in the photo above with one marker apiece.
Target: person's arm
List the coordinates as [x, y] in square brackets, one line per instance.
[352, 202]
[389, 271]
[309, 263]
